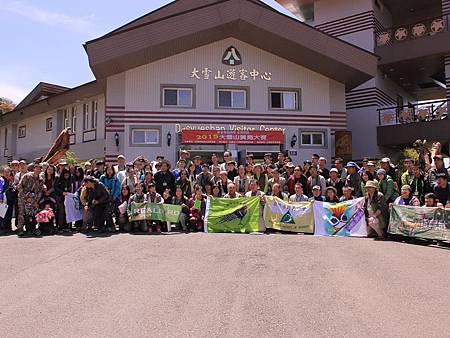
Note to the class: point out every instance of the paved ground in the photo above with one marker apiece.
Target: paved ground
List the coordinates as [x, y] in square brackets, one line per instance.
[221, 285]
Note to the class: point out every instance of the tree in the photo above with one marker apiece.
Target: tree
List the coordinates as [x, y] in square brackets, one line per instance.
[6, 105]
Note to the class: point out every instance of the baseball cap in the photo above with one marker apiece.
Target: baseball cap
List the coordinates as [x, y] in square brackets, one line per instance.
[381, 171]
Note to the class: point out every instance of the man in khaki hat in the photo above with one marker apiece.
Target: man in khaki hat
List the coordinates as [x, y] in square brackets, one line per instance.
[376, 211]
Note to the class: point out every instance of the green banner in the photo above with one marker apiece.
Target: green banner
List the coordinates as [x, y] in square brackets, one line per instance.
[155, 212]
[233, 214]
[420, 222]
[293, 217]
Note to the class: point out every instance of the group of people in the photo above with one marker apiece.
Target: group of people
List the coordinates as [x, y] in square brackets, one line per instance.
[34, 194]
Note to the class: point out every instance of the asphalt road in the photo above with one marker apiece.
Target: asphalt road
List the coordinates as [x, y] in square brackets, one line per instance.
[221, 285]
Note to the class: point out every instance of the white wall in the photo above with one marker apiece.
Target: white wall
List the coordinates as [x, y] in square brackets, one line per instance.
[142, 84]
[143, 103]
[38, 141]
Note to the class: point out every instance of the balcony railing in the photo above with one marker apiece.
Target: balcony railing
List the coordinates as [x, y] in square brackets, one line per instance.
[413, 31]
[421, 112]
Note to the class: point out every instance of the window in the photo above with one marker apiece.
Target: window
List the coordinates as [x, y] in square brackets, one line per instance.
[6, 138]
[22, 132]
[66, 119]
[142, 136]
[177, 97]
[73, 118]
[312, 139]
[284, 99]
[94, 114]
[86, 117]
[49, 124]
[232, 98]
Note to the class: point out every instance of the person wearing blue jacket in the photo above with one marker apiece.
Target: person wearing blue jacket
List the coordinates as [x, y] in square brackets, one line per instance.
[111, 182]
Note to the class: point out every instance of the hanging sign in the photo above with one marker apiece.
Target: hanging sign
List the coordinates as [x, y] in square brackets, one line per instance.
[231, 136]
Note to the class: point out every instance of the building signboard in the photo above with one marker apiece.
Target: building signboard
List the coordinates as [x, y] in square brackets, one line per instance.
[231, 136]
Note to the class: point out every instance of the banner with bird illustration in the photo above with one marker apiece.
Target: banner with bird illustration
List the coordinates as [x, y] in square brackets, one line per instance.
[420, 222]
[232, 214]
[293, 217]
[340, 219]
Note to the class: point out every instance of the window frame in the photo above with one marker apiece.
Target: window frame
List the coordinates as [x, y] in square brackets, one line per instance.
[49, 124]
[178, 87]
[94, 114]
[133, 128]
[73, 119]
[86, 116]
[66, 121]
[323, 132]
[297, 91]
[245, 89]
[22, 128]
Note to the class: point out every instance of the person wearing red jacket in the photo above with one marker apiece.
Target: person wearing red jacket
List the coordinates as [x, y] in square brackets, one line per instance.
[297, 177]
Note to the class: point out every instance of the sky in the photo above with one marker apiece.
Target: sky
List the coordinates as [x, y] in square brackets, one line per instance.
[43, 40]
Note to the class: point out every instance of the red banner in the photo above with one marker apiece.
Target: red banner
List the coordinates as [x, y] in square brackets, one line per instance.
[231, 136]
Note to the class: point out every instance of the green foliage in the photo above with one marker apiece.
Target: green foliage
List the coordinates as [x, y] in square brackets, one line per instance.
[404, 154]
[71, 158]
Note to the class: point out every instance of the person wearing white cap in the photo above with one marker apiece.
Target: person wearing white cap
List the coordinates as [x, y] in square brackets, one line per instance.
[335, 181]
[120, 166]
[316, 194]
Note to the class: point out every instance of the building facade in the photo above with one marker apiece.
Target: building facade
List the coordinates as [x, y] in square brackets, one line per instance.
[29, 130]
[408, 98]
[205, 76]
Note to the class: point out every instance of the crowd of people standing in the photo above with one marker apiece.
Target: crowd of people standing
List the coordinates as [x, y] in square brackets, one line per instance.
[34, 194]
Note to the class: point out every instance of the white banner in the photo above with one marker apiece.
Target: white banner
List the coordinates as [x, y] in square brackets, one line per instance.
[74, 209]
[340, 219]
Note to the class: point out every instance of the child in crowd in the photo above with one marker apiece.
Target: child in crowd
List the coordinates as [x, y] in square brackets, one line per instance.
[46, 218]
[154, 197]
[197, 210]
[138, 197]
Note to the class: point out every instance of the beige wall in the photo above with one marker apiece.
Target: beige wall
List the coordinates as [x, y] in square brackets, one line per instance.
[142, 98]
[38, 141]
[142, 84]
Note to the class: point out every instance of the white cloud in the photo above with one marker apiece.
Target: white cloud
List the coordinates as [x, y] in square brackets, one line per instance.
[83, 25]
[13, 92]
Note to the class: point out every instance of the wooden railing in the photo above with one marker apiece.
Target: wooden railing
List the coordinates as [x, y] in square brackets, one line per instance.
[417, 30]
[421, 112]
